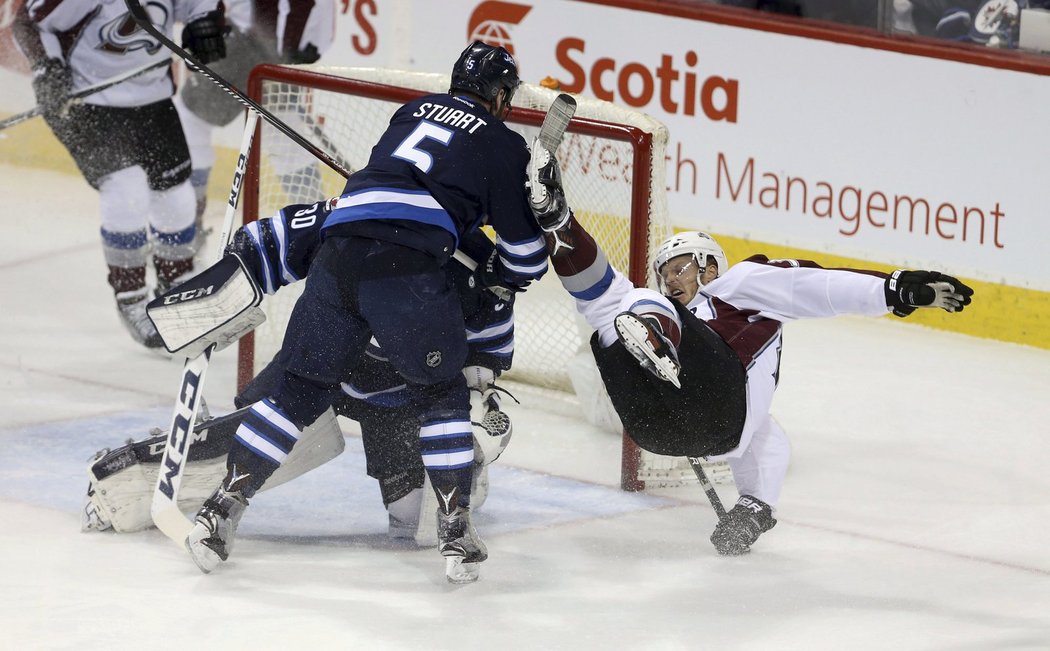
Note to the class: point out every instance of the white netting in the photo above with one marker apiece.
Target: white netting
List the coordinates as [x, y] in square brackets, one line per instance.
[599, 176]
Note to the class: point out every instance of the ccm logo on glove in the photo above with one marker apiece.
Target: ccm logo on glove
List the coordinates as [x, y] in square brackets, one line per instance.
[189, 295]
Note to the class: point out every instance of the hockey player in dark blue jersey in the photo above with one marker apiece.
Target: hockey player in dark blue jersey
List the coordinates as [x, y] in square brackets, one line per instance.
[446, 165]
[276, 252]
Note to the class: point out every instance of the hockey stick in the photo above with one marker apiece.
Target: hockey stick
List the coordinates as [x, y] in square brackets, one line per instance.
[164, 506]
[84, 92]
[551, 133]
[142, 17]
[709, 489]
[557, 121]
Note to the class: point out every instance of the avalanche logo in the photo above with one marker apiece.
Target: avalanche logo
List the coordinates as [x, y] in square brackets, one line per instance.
[492, 21]
[122, 35]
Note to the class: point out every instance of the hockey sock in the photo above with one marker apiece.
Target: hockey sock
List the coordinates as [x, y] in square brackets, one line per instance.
[447, 444]
[263, 440]
[168, 271]
[126, 279]
[583, 256]
[199, 181]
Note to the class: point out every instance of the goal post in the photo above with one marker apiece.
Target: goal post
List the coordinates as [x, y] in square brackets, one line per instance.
[613, 166]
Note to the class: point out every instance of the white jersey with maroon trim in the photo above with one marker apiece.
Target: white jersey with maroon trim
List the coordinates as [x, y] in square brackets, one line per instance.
[100, 40]
[748, 305]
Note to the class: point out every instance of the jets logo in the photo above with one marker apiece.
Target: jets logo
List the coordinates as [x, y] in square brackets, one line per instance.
[123, 35]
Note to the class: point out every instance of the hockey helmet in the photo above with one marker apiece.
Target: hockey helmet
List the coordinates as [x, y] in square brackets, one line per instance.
[699, 245]
[483, 70]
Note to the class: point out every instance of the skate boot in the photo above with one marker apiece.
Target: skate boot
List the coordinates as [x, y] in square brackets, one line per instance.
[461, 546]
[132, 308]
[644, 339]
[211, 539]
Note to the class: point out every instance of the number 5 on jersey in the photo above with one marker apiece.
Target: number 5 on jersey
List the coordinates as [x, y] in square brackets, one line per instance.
[409, 148]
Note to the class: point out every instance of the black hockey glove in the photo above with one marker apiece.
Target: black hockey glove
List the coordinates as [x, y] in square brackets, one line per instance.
[52, 84]
[907, 290]
[546, 196]
[742, 525]
[205, 37]
[490, 275]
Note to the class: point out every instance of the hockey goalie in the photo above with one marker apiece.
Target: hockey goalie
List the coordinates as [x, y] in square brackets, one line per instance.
[221, 304]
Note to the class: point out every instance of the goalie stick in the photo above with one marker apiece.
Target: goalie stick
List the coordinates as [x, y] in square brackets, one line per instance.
[84, 92]
[142, 17]
[544, 156]
[556, 122]
[709, 489]
[164, 506]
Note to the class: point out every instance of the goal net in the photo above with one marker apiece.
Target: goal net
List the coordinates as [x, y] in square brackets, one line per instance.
[612, 169]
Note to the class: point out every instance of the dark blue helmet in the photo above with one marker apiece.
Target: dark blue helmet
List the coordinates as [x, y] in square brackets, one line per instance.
[483, 70]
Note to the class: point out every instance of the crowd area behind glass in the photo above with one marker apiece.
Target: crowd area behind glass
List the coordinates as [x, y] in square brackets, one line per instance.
[1007, 24]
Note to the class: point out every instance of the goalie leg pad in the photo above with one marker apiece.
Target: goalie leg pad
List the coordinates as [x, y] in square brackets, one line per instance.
[121, 481]
[217, 306]
[320, 442]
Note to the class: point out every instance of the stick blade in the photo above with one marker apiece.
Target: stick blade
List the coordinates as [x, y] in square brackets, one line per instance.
[557, 121]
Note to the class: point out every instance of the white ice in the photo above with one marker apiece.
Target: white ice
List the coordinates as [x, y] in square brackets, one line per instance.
[916, 512]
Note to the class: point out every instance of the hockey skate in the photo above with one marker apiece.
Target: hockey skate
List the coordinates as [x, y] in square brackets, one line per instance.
[412, 516]
[461, 546]
[642, 337]
[211, 539]
[132, 309]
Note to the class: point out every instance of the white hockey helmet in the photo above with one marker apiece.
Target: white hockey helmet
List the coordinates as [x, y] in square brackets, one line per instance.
[699, 245]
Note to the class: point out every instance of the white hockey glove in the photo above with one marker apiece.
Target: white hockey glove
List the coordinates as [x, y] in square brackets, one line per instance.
[907, 290]
[546, 195]
[491, 426]
[217, 306]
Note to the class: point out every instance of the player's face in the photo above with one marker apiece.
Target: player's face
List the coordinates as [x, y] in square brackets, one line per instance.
[681, 282]
[501, 105]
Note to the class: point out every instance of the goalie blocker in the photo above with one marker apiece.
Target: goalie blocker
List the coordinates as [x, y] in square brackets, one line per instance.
[217, 306]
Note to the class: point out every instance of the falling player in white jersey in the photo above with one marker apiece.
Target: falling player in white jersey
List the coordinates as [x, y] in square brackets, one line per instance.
[126, 140]
[264, 31]
[710, 343]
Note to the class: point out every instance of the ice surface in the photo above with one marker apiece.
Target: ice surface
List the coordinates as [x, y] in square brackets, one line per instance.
[915, 516]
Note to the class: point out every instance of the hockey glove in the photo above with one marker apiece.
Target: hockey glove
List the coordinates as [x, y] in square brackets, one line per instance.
[491, 276]
[52, 84]
[546, 196]
[907, 290]
[742, 525]
[205, 37]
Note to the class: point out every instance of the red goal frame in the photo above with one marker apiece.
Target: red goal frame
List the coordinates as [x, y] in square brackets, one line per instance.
[640, 140]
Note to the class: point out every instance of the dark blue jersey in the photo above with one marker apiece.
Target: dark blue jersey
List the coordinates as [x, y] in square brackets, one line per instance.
[278, 251]
[444, 167]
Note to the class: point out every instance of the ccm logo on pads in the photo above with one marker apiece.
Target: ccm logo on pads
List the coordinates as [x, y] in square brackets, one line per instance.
[189, 295]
